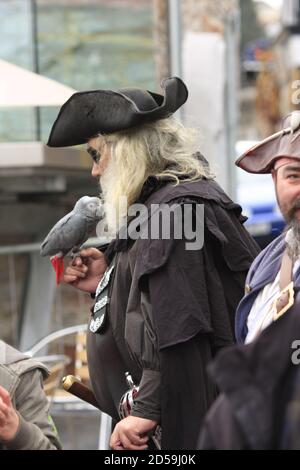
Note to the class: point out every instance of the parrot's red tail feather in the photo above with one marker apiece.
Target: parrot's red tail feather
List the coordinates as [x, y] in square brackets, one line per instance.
[59, 267]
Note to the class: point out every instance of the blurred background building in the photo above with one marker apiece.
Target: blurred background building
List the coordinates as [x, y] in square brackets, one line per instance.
[82, 45]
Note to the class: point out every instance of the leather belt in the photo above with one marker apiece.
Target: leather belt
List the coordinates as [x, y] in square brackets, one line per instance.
[285, 299]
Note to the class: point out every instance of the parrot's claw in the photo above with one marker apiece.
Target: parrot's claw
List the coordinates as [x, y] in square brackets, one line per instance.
[75, 253]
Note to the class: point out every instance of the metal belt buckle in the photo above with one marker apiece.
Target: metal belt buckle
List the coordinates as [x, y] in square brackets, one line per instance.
[289, 290]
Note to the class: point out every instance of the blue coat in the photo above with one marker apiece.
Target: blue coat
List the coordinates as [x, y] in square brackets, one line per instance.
[263, 271]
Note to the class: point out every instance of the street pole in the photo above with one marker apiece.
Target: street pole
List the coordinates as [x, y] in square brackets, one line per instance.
[174, 17]
[232, 25]
[35, 61]
[175, 48]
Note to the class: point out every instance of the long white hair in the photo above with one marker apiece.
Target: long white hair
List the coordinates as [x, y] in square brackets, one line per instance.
[164, 149]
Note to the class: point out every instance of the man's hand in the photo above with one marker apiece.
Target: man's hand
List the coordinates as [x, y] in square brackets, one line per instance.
[9, 419]
[86, 270]
[131, 433]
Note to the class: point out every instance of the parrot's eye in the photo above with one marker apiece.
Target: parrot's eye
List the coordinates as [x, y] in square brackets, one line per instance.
[95, 154]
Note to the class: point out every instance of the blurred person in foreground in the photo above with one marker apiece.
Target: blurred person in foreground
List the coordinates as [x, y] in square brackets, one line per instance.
[164, 306]
[25, 423]
[260, 381]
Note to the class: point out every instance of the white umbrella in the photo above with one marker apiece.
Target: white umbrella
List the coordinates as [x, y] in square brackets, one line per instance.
[21, 87]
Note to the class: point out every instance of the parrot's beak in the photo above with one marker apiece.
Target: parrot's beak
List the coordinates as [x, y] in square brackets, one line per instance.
[100, 211]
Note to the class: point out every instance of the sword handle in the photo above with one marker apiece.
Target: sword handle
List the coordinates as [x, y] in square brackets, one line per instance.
[74, 386]
[129, 380]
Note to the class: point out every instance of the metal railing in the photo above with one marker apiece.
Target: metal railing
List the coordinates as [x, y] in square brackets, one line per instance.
[33, 247]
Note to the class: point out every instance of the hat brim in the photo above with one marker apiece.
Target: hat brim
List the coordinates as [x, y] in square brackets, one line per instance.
[262, 157]
[87, 114]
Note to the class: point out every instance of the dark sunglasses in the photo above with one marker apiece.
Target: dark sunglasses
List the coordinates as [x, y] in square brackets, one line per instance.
[95, 154]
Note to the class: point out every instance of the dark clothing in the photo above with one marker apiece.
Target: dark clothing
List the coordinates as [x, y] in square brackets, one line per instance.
[187, 391]
[259, 406]
[109, 384]
[262, 272]
[171, 308]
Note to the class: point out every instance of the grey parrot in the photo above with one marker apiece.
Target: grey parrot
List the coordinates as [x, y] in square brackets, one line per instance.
[72, 230]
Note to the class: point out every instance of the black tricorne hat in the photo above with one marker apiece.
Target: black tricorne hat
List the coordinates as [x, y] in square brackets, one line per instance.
[89, 113]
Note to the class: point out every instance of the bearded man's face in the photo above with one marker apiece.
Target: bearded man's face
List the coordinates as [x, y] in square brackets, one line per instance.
[287, 184]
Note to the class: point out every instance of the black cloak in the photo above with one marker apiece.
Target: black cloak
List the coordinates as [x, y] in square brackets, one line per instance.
[194, 295]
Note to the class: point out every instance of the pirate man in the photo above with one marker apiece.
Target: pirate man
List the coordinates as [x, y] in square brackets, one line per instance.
[272, 279]
[163, 306]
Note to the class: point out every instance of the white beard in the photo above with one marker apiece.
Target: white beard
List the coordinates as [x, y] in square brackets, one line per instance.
[115, 212]
[293, 239]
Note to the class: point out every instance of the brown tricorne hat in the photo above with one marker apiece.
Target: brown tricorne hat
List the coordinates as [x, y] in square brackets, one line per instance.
[286, 143]
[89, 113]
